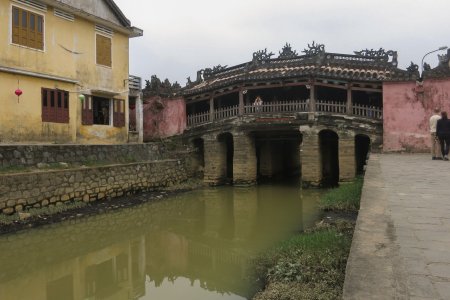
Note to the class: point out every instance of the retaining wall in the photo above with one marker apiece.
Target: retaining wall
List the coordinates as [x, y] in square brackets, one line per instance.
[40, 189]
[31, 155]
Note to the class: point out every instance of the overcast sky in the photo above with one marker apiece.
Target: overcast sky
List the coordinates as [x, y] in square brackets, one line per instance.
[184, 36]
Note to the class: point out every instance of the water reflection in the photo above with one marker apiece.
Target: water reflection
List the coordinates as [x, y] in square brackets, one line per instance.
[192, 246]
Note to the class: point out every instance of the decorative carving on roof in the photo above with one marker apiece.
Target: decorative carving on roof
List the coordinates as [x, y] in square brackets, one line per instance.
[261, 56]
[287, 52]
[314, 49]
[208, 72]
[444, 58]
[156, 87]
[413, 68]
[379, 54]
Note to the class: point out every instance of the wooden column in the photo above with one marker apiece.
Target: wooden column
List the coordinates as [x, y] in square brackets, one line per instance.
[349, 100]
[211, 109]
[241, 103]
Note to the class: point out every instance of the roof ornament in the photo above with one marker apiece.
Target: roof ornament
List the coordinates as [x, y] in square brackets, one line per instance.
[413, 70]
[380, 54]
[444, 58]
[261, 56]
[287, 52]
[208, 72]
[156, 87]
[314, 49]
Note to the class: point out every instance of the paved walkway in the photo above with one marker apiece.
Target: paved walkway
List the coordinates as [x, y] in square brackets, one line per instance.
[401, 245]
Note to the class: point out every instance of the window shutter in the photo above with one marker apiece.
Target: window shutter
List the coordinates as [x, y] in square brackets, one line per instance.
[87, 117]
[45, 105]
[119, 113]
[16, 25]
[23, 20]
[65, 108]
[40, 33]
[103, 50]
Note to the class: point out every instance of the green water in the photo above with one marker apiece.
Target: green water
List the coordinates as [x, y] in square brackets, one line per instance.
[195, 245]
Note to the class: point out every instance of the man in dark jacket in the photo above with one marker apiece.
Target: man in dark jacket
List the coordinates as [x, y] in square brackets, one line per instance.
[443, 133]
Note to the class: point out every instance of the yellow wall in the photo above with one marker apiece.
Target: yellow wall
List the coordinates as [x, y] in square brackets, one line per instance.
[21, 120]
[69, 52]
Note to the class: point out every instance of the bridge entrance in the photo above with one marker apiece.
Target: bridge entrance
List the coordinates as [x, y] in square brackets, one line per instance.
[278, 156]
[329, 155]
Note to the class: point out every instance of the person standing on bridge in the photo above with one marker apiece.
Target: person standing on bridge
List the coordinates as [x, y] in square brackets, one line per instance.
[258, 102]
[435, 144]
[443, 133]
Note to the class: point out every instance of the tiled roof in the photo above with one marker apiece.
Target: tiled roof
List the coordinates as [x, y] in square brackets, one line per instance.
[319, 65]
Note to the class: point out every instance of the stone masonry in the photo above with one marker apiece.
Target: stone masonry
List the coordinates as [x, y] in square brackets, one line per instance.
[347, 161]
[40, 189]
[31, 155]
[244, 160]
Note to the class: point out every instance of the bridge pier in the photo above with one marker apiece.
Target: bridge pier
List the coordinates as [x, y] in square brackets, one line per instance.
[244, 159]
[215, 155]
[347, 159]
[311, 163]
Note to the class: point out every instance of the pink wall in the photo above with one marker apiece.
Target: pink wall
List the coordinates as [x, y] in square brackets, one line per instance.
[163, 117]
[407, 108]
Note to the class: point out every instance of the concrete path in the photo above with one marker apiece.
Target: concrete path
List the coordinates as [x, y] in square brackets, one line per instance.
[401, 245]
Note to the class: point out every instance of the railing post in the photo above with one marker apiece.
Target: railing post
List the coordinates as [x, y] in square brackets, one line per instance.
[241, 103]
[312, 100]
[349, 100]
[211, 109]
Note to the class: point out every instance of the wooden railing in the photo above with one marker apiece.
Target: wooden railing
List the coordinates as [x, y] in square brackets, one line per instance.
[198, 118]
[295, 106]
[367, 111]
[336, 107]
[226, 112]
[278, 107]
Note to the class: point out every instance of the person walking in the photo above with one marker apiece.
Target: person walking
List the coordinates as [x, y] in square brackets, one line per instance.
[443, 133]
[435, 145]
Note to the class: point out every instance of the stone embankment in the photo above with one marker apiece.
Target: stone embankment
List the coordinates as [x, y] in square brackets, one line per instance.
[41, 188]
[31, 155]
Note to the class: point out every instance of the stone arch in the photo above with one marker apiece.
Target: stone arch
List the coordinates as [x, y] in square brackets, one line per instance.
[198, 157]
[226, 146]
[362, 149]
[329, 157]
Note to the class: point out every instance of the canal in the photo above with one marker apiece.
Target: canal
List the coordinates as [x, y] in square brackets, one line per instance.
[195, 245]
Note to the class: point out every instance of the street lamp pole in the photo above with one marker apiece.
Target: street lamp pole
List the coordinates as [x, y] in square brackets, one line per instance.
[421, 64]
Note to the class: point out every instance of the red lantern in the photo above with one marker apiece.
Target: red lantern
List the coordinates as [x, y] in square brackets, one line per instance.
[18, 92]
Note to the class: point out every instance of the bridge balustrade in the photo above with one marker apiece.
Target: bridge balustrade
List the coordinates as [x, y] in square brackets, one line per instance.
[294, 106]
[367, 111]
[278, 107]
[336, 107]
[198, 118]
[226, 112]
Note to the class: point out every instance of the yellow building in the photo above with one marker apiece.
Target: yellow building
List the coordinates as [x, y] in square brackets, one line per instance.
[69, 59]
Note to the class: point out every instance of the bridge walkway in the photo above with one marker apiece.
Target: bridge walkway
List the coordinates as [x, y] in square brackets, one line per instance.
[401, 245]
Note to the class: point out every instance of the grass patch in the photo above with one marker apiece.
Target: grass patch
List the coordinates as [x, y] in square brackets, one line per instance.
[311, 265]
[344, 198]
[306, 266]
